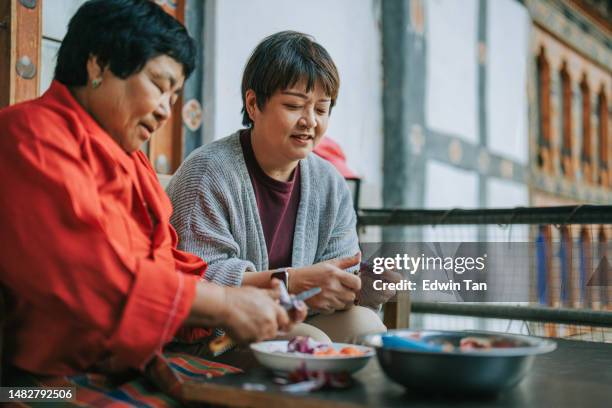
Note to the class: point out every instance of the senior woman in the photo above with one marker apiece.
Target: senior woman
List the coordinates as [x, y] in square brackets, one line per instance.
[88, 257]
[258, 204]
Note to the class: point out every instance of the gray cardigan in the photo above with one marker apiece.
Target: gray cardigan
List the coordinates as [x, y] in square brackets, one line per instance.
[216, 215]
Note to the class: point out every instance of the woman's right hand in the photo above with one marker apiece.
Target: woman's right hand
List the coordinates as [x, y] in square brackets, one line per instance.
[253, 314]
[247, 314]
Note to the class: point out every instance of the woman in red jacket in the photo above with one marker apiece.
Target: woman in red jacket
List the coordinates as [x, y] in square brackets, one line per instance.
[88, 258]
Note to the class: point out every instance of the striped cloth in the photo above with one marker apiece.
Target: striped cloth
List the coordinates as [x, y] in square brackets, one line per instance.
[159, 387]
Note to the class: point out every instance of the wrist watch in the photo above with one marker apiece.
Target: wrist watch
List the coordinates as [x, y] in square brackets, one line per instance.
[281, 274]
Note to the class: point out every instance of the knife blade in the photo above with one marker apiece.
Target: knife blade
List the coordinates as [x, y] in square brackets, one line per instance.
[288, 302]
[307, 294]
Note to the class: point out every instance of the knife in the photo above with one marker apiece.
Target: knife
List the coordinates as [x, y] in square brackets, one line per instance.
[224, 343]
[288, 302]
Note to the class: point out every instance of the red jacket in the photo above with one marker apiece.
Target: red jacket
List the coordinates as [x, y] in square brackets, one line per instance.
[87, 253]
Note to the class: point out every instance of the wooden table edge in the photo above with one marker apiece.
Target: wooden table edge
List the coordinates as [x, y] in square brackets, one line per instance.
[236, 397]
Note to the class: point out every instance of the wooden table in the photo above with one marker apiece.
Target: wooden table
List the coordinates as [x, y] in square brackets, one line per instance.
[577, 374]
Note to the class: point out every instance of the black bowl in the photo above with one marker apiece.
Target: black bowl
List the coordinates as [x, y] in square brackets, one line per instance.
[478, 371]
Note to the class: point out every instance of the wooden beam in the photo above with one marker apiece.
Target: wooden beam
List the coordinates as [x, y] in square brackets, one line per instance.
[5, 53]
[595, 16]
[20, 42]
[397, 314]
[571, 47]
[29, 37]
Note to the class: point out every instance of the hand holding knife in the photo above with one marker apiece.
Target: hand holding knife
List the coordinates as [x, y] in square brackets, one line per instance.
[289, 302]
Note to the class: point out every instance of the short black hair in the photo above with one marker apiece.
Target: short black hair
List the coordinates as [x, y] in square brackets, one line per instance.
[283, 59]
[123, 35]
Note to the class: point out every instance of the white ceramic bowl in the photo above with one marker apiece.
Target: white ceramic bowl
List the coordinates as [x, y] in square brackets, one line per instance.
[273, 355]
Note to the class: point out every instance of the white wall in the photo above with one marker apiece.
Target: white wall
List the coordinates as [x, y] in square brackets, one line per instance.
[507, 57]
[451, 105]
[55, 17]
[450, 187]
[48, 56]
[56, 14]
[347, 29]
[507, 194]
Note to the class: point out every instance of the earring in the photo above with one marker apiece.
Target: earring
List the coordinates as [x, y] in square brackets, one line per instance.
[95, 83]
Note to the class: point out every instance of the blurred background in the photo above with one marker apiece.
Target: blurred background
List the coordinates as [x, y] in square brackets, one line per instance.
[443, 103]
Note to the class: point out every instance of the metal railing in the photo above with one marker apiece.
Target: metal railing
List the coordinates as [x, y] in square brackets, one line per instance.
[557, 223]
[580, 214]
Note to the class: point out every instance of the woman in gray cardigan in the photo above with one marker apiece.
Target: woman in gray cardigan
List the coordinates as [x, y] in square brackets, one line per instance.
[257, 204]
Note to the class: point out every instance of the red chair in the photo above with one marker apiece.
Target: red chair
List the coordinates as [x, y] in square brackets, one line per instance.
[332, 152]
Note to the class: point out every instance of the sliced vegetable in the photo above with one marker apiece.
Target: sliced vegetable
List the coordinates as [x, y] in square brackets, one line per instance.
[307, 345]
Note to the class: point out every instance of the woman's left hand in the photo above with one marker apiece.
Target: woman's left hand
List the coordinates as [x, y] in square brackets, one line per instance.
[370, 297]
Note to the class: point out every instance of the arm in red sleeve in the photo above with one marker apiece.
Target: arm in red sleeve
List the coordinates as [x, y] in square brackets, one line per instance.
[61, 251]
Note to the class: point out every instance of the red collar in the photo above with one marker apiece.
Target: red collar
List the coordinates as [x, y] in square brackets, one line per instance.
[59, 93]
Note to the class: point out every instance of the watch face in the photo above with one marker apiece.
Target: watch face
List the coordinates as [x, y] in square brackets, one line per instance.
[281, 275]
